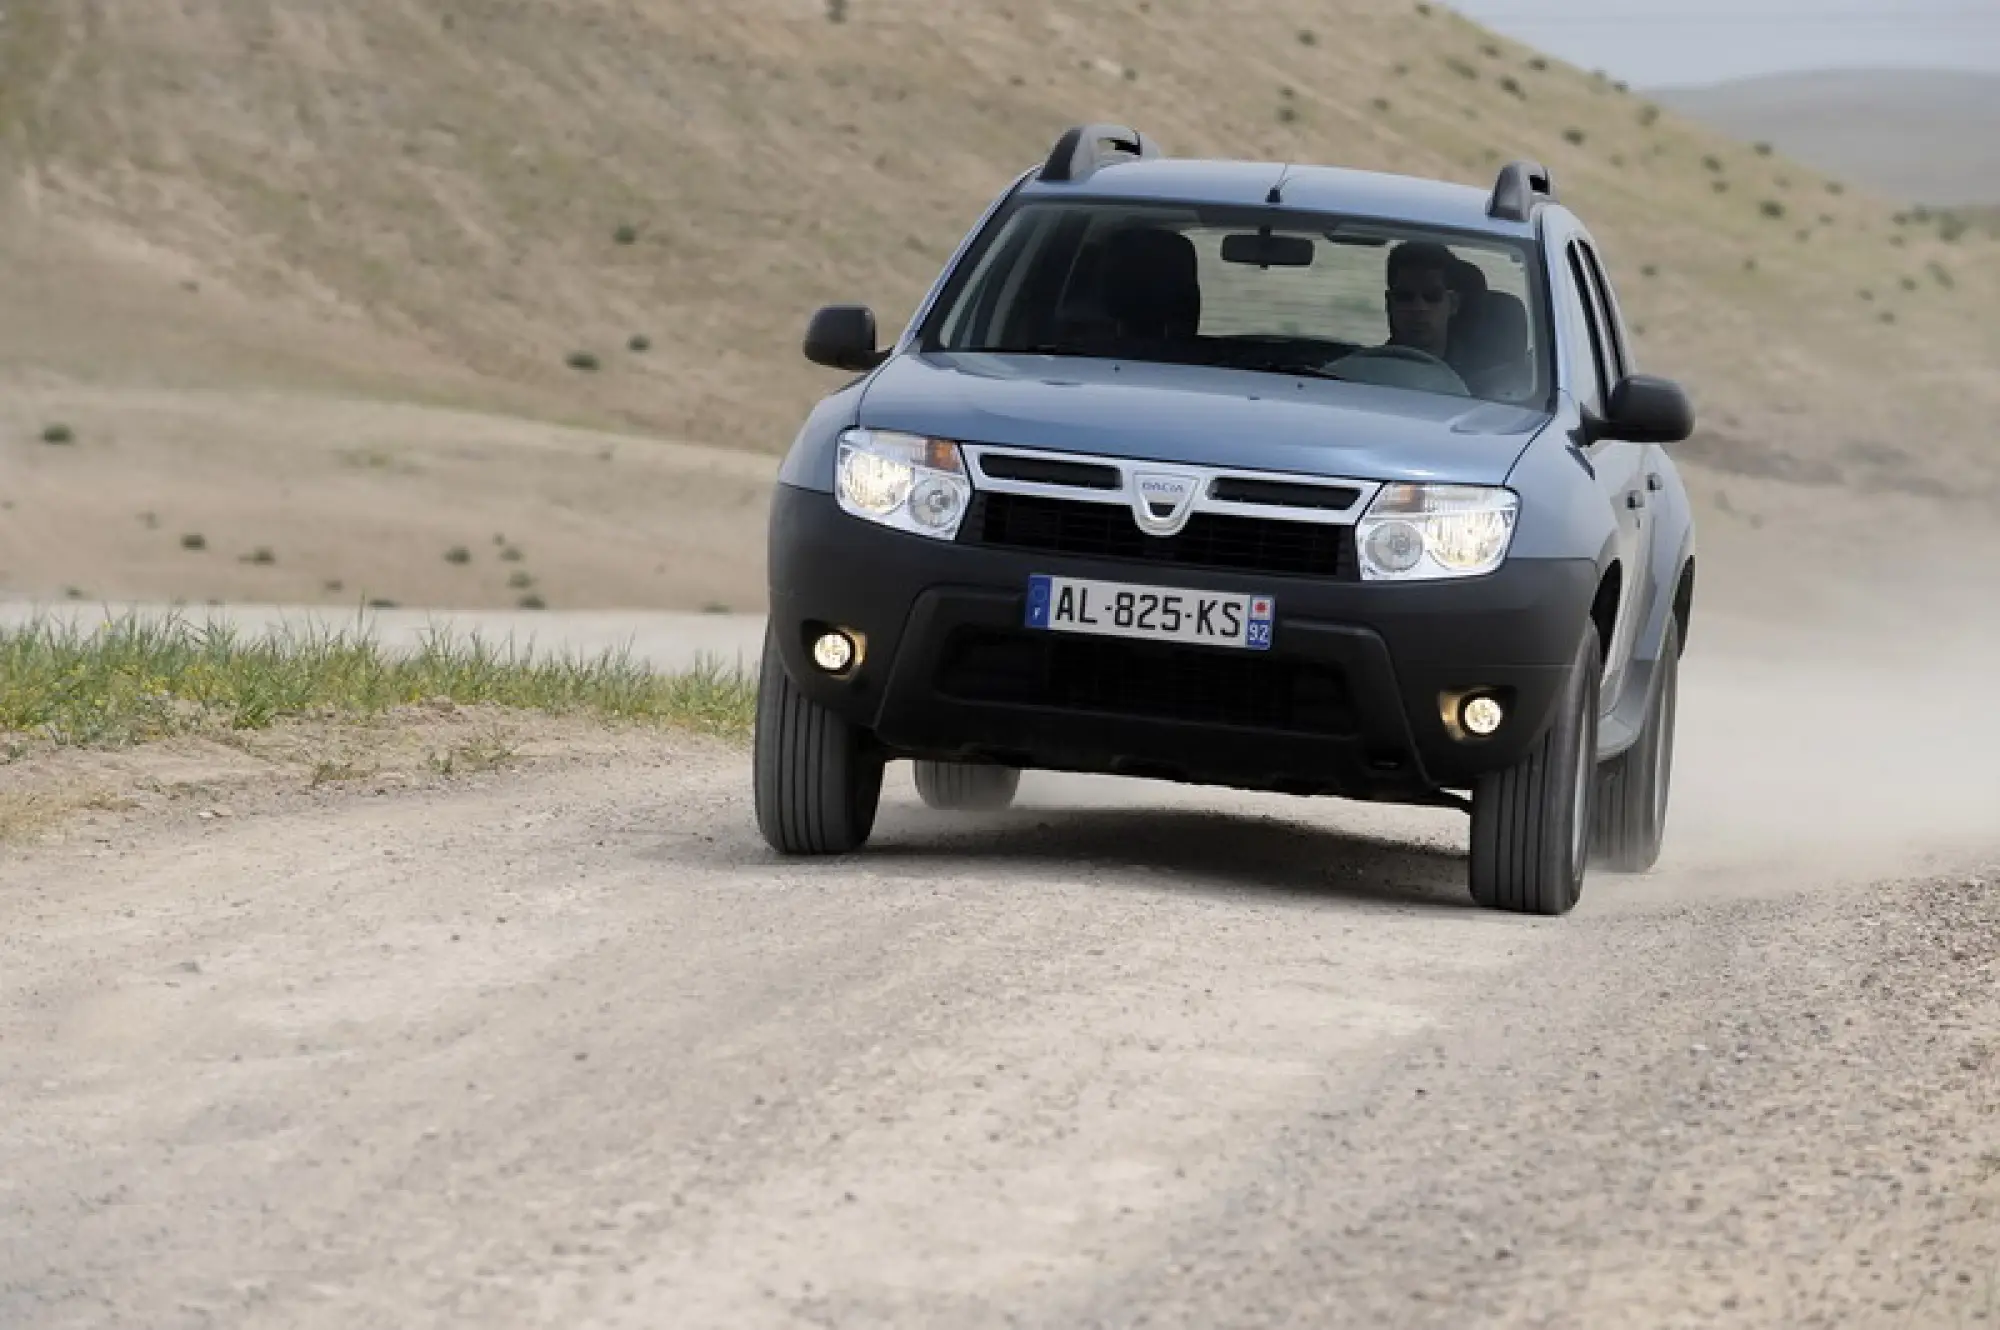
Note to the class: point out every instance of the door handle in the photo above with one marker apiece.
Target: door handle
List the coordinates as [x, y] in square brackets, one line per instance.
[1635, 499]
[1655, 481]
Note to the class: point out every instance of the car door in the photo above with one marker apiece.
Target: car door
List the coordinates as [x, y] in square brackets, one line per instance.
[1620, 466]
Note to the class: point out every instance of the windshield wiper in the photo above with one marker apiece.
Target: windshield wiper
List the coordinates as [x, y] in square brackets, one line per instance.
[1032, 349]
[1285, 367]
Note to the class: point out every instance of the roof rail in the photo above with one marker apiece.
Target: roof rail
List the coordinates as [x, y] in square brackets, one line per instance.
[1522, 185]
[1082, 149]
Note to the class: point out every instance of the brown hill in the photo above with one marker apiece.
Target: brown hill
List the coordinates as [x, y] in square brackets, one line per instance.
[226, 223]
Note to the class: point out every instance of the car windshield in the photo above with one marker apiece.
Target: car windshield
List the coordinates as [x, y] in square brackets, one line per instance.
[1254, 289]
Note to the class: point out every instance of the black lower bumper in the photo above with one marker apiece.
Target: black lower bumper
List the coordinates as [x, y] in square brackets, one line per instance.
[1347, 700]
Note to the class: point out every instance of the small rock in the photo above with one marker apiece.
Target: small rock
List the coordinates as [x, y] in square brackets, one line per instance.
[192, 967]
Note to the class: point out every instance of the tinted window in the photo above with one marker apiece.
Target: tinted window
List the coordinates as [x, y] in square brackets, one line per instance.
[1608, 314]
[1588, 366]
[1208, 286]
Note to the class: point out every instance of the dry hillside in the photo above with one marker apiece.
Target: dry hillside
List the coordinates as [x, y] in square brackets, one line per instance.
[1931, 136]
[225, 221]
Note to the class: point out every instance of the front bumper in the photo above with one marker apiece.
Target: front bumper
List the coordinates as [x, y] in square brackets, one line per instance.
[1345, 702]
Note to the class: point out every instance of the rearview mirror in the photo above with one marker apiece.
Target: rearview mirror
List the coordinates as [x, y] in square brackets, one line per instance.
[1267, 251]
[843, 337]
[1645, 408]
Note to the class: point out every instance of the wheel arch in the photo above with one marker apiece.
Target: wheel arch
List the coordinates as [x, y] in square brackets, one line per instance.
[1604, 603]
[1684, 602]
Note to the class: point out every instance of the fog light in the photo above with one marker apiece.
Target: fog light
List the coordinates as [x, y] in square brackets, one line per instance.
[1481, 715]
[833, 652]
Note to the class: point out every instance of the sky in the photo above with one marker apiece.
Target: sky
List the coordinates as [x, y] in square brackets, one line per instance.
[1650, 43]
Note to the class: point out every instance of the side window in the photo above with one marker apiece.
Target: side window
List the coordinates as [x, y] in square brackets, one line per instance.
[1608, 315]
[1586, 352]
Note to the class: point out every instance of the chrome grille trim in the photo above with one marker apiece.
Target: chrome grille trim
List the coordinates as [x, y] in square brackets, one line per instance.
[1204, 477]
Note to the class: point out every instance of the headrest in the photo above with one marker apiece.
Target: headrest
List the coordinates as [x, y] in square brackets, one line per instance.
[1151, 282]
[1491, 331]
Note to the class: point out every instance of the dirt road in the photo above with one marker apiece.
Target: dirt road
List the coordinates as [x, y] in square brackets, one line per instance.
[565, 1046]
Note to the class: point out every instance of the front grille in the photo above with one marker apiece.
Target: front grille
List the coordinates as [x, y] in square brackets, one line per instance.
[1209, 540]
[1152, 680]
[1051, 471]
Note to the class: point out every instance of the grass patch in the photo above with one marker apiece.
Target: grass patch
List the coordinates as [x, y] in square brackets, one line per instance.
[137, 679]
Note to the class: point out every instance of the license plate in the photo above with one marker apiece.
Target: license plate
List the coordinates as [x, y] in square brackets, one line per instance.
[1161, 614]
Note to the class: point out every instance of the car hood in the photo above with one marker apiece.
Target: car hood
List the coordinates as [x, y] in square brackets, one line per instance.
[1199, 415]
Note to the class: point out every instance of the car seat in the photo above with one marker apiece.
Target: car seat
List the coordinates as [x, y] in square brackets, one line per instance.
[1489, 337]
[1151, 285]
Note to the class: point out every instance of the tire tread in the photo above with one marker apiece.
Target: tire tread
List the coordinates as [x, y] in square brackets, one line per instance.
[1520, 838]
[816, 786]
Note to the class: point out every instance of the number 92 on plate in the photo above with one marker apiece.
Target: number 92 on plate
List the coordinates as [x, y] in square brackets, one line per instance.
[1161, 614]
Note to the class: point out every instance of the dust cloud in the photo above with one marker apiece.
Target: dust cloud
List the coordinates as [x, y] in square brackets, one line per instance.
[1855, 741]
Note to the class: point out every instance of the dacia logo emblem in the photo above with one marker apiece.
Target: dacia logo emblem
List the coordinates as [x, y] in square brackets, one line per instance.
[1162, 501]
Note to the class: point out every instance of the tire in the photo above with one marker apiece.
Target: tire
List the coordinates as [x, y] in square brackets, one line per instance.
[966, 786]
[1531, 823]
[1631, 821]
[817, 779]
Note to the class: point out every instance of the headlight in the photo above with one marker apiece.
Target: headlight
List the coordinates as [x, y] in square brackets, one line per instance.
[1429, 531]
[906, 481]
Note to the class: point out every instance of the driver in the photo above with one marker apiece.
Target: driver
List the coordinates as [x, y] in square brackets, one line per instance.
[1420, 297]
[1421, 302]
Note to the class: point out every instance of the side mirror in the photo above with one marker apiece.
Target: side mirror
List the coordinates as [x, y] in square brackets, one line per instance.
[1645, 408]
[843, 337]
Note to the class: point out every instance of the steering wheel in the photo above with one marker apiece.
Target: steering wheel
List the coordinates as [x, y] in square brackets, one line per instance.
[1409, 353]
[1453, 382]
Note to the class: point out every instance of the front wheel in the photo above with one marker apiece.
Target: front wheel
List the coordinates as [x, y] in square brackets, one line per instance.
[966, 786]
[817, 779]
[1632, 802]
[1531, 823]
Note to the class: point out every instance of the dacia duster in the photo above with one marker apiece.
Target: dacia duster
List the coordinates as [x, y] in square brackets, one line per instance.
[1261, 475]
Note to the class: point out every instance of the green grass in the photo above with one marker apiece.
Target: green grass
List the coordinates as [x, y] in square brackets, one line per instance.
[136, 679]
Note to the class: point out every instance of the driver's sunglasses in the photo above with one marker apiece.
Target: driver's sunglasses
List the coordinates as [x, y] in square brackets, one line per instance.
[1409, 295]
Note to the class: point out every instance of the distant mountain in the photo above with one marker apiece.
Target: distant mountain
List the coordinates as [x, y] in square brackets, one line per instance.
[1927, 136]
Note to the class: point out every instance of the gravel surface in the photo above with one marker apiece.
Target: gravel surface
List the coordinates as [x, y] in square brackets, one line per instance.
[560, 1043]
[565, 1046]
